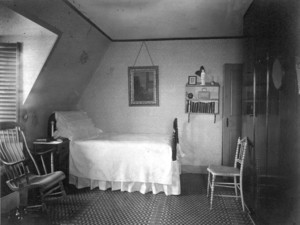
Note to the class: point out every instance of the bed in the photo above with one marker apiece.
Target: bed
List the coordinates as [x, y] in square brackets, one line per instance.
[126, 162]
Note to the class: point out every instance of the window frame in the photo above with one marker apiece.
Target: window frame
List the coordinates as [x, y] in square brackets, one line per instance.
[10, 81]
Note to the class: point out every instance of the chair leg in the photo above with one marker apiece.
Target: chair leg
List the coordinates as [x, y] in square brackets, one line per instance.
[241, 193]
[212, 190]
[62, 188]
[208, 184]
[235, 187]
[23, 194]
[21, 210]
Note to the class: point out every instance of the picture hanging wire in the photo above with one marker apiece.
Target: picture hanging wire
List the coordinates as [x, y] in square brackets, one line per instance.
[143, 43]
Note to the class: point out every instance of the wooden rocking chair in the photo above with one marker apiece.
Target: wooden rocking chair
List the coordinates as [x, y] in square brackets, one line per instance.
[19, 162]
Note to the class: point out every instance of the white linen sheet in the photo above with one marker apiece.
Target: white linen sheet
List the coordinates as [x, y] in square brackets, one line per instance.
[126, 162]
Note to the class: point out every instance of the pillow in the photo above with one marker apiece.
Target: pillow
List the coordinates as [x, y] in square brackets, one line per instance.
[75, 125]
[66, 117]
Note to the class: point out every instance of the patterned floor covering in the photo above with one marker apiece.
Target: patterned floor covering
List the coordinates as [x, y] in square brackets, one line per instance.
[114, 207]
[95, 207]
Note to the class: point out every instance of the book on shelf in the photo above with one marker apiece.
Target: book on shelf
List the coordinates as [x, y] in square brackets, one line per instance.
[47, 141]
[42, 139]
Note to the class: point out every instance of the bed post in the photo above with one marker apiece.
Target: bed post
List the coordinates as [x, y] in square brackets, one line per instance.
[175, 140]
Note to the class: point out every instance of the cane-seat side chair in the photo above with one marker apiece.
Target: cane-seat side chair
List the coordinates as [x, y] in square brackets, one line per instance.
[22, 169]
[235, 172]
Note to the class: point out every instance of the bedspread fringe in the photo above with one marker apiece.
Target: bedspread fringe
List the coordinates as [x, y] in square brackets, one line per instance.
[155, 188]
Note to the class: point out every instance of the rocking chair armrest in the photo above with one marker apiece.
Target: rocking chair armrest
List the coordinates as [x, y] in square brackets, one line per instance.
[43, 156]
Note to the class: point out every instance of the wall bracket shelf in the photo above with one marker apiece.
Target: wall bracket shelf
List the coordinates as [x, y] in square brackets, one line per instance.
[202, 99]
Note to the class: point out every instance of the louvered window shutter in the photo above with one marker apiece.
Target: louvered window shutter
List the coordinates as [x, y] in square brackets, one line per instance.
[9, 81]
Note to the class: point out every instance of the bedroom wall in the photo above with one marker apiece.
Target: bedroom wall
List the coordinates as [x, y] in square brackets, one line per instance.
[69, 67]
[106, 97]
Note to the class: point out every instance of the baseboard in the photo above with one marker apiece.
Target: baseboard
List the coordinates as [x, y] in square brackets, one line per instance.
[193, 169]
[9, 202]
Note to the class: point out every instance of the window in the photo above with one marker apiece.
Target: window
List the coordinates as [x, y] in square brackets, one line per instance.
[10, 91]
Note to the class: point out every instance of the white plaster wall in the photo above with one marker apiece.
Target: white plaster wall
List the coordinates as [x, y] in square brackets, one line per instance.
[106, 97]
[37, 42]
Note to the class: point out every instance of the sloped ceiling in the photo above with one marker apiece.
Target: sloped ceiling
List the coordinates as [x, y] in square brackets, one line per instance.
[37, 43]
[74, 58]
[165, 19]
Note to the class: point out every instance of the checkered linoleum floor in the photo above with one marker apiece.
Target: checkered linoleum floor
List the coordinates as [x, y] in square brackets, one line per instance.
[114, 207]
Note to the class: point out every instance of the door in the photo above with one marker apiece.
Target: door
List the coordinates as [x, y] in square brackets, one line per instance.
[232, 111]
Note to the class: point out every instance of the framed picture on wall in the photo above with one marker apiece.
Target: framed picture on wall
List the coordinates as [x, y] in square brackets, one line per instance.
[192, 80]
[143, 86]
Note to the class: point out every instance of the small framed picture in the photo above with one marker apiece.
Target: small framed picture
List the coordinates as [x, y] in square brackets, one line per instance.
[192, 80]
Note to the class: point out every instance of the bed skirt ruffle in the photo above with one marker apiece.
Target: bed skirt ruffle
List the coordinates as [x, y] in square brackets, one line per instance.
[174, 189]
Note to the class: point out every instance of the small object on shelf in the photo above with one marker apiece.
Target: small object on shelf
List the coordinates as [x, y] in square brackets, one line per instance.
[190, 95]
[212, 82]
[42, 139]
[192, 80]
[205, 95]
[52, 129]
[201, 75]
[47, 141]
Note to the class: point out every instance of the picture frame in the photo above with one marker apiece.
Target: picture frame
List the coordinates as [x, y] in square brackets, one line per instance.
[143, 86]
[192, 80]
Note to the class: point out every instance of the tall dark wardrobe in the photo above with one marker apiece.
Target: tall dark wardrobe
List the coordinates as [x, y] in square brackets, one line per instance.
[270, 108]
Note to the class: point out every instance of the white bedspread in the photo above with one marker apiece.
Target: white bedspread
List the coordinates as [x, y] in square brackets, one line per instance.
[124, 158]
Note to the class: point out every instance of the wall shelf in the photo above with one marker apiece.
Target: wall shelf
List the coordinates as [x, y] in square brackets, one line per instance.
[202, 98]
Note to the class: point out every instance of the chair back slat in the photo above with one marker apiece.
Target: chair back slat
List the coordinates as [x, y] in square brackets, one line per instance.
[11, 151]
[240, 153]
[14, 147]
[29, 153]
